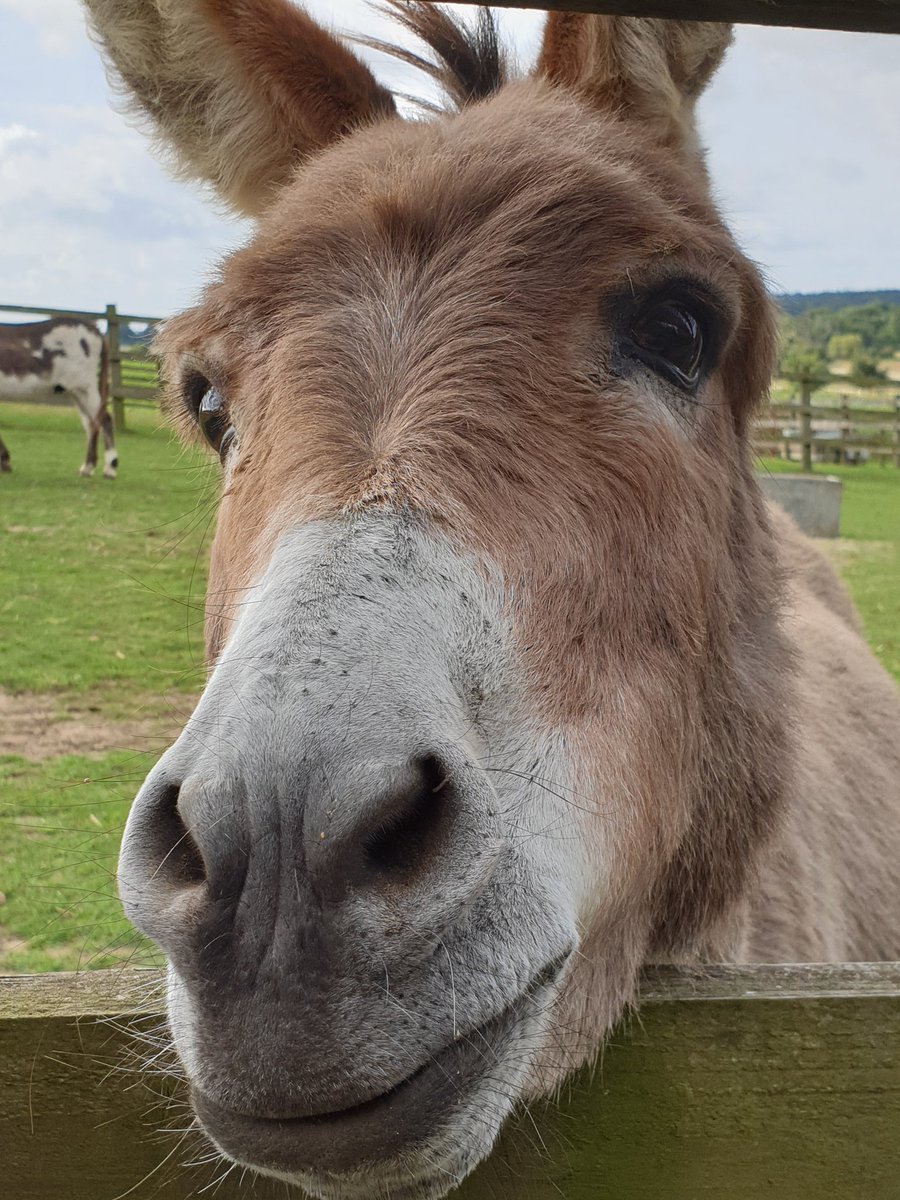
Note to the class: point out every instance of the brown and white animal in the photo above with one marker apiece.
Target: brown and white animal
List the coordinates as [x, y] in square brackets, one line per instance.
[515, 685]
[61, 356]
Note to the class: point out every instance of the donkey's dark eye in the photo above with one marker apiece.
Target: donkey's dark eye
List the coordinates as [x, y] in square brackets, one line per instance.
[667, 335]
[214, 421]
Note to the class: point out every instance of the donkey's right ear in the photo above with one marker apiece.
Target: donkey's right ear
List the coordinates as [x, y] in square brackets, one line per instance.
[238, 91]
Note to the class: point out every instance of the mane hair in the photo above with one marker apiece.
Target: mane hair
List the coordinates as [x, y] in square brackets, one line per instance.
[469, 63]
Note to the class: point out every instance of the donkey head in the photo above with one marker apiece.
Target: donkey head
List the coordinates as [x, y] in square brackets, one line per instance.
[495, 711]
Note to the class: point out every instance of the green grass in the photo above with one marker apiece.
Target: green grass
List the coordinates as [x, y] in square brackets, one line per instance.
[100, 588]
[101, 584]
[101, 580]
[61, 822]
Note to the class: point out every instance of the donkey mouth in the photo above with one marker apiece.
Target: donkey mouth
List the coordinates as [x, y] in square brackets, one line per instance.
[382, 1128]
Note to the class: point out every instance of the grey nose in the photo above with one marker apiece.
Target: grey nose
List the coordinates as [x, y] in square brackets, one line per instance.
[233, 858]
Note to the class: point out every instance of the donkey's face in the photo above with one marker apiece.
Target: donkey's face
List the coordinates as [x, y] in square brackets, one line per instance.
[493, 715]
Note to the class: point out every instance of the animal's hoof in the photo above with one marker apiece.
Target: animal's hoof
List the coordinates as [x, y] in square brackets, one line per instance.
[87, 472]
[109, 474]
[5, 465]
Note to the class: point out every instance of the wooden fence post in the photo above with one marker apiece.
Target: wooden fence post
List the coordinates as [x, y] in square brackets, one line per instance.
[846, 430]
[115, 366]
[806, 388]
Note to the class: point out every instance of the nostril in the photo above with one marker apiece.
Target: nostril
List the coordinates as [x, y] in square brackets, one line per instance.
[413, 832]
[182, 862]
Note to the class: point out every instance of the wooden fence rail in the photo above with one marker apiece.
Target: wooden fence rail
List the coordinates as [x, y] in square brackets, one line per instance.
[131, 377]
[735, 1083]
[829, 432]
[865, 16]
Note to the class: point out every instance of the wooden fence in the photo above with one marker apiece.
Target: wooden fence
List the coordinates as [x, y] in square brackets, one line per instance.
[132, 376]
[832, 433]
[864, 16]
[733, 1083]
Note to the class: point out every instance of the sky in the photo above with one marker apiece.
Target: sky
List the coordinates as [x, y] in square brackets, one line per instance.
[802, 127]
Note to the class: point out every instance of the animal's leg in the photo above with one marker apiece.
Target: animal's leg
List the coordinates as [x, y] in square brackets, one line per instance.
[4, 457]
[111, 455]
[91, 431]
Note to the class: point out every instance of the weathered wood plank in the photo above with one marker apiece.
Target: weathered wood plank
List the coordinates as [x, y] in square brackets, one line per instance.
[140, 991]
[146, 392]
[770, 981]
[77, 313]
[736, 1083]
[831, 412]
[867, 16]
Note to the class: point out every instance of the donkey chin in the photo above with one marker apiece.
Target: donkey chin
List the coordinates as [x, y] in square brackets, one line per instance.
[414, 1140]
[366, 936]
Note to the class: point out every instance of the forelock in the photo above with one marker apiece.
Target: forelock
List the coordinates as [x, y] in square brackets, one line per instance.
[466, 59]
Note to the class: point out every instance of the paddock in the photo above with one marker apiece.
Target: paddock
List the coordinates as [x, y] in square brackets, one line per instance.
[131, 376]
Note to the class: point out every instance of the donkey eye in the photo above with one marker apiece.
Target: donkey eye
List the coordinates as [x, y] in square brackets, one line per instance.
[212, 415]
[667, 335]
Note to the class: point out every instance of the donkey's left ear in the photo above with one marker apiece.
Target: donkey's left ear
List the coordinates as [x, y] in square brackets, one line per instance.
[238, 92]
[645, 70]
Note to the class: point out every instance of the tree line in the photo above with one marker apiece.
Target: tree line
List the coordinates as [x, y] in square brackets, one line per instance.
[863, 334]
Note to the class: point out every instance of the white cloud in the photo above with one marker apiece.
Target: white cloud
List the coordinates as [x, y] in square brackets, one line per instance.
[14, 133]
[60, 23]
[805, 152]
[87, 217]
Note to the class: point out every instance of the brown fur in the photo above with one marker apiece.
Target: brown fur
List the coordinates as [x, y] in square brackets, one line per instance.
[425, 318]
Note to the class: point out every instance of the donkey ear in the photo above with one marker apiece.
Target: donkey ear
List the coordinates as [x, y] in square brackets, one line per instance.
[651, 71]
[238, 91]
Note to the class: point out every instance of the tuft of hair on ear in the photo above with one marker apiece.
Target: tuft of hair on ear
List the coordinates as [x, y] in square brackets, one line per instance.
[468, 62]
[644, 69]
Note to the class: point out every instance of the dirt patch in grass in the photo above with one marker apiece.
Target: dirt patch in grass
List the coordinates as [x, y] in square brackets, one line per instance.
[37, 727]
[9, 942]
[841, 552]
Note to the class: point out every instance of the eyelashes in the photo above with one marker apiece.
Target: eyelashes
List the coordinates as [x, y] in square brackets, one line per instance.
[209, 409]
[675, 332]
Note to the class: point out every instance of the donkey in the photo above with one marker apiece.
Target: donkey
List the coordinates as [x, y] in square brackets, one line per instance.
[61, 356]
[516, 685]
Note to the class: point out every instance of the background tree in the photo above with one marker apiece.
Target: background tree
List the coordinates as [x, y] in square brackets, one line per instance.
[866, 371]
[802, 362]
[844, 345]
[874, 327]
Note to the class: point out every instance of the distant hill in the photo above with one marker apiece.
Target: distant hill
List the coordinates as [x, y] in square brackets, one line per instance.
[800, 302]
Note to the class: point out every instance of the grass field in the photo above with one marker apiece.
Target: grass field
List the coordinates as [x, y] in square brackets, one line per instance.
[100, 591]
[100, 653]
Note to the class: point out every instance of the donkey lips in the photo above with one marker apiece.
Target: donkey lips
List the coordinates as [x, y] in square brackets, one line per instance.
[382, 1127]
